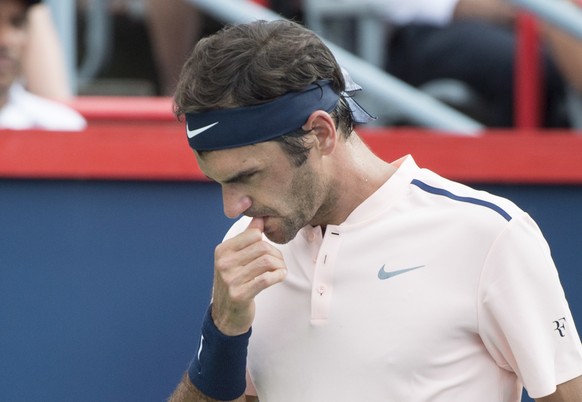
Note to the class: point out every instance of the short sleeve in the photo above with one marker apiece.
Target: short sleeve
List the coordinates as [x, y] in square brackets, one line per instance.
[524, 318]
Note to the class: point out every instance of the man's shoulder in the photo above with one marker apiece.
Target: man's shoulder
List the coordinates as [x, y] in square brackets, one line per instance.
[455, 194]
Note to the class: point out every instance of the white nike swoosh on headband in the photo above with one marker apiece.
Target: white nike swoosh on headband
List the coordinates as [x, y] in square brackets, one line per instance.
[194, 133]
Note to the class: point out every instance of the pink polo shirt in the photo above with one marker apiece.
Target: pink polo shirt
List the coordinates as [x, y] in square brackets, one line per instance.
[429, 291]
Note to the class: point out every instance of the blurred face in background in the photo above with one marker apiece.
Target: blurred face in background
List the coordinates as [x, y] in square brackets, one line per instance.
[13, 37]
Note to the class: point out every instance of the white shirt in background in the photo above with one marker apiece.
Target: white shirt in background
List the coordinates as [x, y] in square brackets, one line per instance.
[25, 111]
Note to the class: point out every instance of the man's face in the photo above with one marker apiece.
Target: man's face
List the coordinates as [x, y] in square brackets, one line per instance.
[13, 36]
[261, 181]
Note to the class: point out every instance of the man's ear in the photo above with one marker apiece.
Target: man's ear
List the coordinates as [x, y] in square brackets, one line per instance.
[322, 127]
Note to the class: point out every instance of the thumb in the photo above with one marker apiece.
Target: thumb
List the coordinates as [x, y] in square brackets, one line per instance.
[257, 223]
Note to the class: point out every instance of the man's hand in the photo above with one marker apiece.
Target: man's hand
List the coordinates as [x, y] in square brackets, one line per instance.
[243, 267]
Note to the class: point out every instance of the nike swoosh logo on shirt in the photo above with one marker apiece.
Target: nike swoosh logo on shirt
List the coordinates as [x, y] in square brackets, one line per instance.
[387, 275]
[194, 133]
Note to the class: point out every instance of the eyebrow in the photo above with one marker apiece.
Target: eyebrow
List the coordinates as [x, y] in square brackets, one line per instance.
[237, 178]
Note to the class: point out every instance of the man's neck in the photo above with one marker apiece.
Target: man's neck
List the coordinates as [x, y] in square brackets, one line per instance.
[359, 174]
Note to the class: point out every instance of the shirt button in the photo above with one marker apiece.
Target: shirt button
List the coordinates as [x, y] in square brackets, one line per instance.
[321, 289]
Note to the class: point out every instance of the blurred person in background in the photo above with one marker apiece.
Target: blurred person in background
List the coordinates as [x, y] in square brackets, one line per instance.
[45, 57]
[19, 108]
[474, 41]
[174, 27]
[566, 51]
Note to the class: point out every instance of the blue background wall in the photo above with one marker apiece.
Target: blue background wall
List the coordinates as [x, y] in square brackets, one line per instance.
[103, 284]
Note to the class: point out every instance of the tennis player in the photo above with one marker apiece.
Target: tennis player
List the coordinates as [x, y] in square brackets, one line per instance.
[348, 278]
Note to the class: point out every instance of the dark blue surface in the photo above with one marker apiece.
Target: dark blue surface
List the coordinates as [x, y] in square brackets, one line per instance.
[103, 284]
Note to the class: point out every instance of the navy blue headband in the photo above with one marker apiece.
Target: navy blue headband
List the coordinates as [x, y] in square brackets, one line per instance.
[236, 127]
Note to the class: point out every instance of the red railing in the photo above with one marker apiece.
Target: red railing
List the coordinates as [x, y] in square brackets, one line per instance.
[528, 76]
[131, 144]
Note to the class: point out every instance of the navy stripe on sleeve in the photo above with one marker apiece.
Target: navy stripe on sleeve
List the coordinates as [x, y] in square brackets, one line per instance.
[471, 200]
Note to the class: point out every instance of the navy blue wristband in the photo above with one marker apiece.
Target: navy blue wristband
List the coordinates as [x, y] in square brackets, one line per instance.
[219, 368]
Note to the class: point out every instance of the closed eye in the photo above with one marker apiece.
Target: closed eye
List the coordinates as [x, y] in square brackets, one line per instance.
[242, 177]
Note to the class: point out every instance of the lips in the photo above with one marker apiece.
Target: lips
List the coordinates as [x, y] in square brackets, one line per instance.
[265, 224]
[268, 225]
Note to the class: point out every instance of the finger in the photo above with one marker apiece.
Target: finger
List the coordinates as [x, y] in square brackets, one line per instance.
[228, 259]
[238, 242]
[257, 223]
[264, 281]
[254, 252]
[258, 266]
[239, 274]
[241, 285]
[245, 238]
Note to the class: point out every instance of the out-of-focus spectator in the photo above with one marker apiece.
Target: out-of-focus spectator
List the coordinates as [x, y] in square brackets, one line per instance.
[45, 57]
[152, 39]
[474, 41]
[20, 109]
[566, 51]
[174, 27]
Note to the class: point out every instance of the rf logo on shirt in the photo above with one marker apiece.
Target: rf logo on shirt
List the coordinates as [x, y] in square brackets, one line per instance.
[561, 326]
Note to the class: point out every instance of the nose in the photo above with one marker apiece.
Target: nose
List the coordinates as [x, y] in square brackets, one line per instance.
[234, 201]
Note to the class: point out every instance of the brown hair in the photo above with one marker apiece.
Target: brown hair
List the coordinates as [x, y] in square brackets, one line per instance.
[253, 63]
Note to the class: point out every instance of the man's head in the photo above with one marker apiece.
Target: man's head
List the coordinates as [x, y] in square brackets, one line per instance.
[249, 64]
[266, 99]
[252, 64]
[13, 39]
